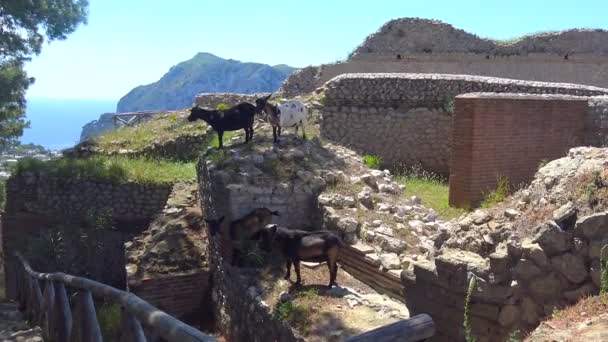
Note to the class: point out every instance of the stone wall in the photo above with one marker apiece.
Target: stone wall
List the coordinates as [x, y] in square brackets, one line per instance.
[415, 45]
[406, 118]
[239, 314]
[596, 123]
[211, 100]
[38, 194]
[519, 284]
[508, 135]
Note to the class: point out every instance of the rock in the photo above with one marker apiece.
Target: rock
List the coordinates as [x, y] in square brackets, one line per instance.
[376, 223]
[570, 266]
[509, 314]
[595, 249]
[305, 176]
[565, 216]
[585, 290]
[348, 225]
[499, 260]
[369, 180]
[384, 207]
[415, 200]
[416, 225]
[526, 270]
[453, 266]
[553, 240]
[389, 188]
[533, 252]
[365, 198]
[511, 213]
[390, 261]
[430, 217]
[284, 296]
[481, 217]
[390, 244]
[595, 270]
[593, 227]
[547, 287]
[530, 311]
[385, 230]
[402, 210]
[370, 236]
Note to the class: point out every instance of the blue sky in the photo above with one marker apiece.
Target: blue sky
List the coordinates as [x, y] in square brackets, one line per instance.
[132, 42]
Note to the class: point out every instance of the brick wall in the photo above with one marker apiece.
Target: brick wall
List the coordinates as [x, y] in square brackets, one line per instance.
[509, 135]
[178, 295]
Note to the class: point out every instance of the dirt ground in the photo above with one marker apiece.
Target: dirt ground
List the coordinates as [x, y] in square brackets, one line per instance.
[321, 314]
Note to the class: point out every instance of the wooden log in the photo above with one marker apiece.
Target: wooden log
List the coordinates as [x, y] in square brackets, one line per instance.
[131, 329]
[85, 325]
[417, 328]
[62, 324]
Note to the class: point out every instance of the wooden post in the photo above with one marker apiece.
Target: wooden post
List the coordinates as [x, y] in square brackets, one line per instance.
[414, 329]
[39, 300]
[85, 327]
[131, 330]
[62, 323]
[49, 306]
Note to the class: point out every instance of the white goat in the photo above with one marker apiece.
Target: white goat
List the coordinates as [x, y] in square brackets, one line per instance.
[285, 114]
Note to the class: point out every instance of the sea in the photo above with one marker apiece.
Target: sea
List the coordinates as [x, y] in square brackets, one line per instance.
[56, 123]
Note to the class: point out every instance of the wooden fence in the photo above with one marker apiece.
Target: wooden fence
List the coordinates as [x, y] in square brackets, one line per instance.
[44, 300]
[134, 118]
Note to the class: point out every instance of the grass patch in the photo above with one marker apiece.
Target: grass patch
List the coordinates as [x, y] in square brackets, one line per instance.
[497, 195]
[161, 128]
[372, 161]
[109, 316]
[114, 169]
[215, 141]
[431, 189]
[296, 315]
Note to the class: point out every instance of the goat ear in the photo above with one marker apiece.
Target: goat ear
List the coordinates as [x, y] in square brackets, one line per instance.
[268, 97]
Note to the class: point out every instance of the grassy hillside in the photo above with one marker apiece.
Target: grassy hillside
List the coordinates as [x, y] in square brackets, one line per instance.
[203, 73]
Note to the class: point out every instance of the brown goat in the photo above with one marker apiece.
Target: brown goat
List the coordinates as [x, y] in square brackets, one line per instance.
[299, 245]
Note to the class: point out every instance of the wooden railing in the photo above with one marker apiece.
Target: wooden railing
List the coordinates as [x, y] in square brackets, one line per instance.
[134, 118]
[44, 299]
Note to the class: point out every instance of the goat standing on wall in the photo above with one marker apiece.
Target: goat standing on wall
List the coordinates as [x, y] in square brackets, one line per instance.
[285, 114]
[234, 118]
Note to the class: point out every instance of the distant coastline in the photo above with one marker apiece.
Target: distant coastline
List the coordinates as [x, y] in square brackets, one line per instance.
[57, 123]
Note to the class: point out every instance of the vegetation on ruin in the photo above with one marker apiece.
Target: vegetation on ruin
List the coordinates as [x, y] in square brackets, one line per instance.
[297, 315]
[497, 195]
[114, 169]
[604, 270]
[468, 330]
[432, 189]
[161, 128]
[372, 161]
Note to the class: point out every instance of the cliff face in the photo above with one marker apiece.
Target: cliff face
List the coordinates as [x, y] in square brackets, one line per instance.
[203, 73]
[95, 127]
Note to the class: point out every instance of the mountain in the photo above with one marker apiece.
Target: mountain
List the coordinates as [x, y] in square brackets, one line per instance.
[203, 73]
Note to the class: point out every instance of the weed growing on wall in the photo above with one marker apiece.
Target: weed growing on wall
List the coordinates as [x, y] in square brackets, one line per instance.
[468, 333]
[448, 105]
[498, 195]
[604, 270]
[372, 161]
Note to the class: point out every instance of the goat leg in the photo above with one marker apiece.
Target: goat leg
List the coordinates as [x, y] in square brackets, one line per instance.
[303, 130]
[251, 133]
[296, 266]
[220, 138]
[288, 274]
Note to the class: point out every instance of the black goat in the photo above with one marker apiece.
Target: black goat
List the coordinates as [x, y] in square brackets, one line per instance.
[234, 118]
[300, 245]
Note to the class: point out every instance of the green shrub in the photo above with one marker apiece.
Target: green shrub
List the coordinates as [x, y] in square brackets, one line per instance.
[448, 105]
[468, 333]
[498, 195]
[222, 106]
[294, 314]
[116, 169]
[372, 161]
[109, 316]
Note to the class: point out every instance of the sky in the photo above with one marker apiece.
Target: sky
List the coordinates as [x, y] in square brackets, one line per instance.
[127, 43]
